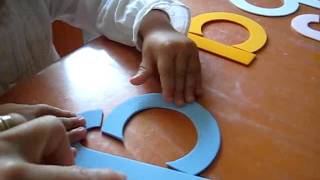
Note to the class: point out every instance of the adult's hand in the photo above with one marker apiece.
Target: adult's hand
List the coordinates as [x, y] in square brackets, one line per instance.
[40, 149]
[73, 125]
[21, 113]
[34, 111]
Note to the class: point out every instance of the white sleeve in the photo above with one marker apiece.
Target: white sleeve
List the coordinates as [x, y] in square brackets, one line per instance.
[119, 20]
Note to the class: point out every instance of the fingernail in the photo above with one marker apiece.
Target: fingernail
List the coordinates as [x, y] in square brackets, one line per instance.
[135, 76]
[179, 102]
[121, 176]
[81, 129]
[72, 114]
[81, 120]
[113, 174]
[190, 99]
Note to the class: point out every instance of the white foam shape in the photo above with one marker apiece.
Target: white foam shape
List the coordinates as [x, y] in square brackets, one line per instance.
[301, 25]
[288, 7]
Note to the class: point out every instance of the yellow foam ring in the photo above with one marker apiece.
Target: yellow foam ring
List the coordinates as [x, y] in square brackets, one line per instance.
[227, 51]
[258, 36]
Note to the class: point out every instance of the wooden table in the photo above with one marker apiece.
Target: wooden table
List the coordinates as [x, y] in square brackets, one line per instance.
[268, 113]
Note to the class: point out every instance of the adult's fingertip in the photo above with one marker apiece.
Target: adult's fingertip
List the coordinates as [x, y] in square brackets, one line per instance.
[81, 129]
[121, 176]
[108, 174]
[72, 114]
[74, 151]
[81, 121]
[77, 134]
[65, 113]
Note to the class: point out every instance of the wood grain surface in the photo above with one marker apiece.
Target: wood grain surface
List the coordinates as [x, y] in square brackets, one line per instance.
[268, 112]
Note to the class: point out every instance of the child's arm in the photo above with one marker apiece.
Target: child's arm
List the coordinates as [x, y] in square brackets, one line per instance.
[172, 55]
[175, 57]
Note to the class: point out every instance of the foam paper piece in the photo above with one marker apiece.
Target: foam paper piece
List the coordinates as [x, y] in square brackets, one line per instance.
[206, 126]
[93, 118]
[301, 25]
[242, 53]
[226, 51]
[134, 170]
[288, 7]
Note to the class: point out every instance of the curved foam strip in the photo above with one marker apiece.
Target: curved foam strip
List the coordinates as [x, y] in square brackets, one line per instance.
[206, 126]
[93, 118]
[301, 25]
[288, 7]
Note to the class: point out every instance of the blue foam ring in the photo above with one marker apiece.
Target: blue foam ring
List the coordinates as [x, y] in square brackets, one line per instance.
[208, 143]
[288, 7]
[93, 118]
[134, 170]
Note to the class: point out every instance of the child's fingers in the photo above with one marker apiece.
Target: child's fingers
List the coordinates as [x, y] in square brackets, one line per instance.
[199, 88]
[198, 75]
[180, 77]
[144, 72]
[166, 71]
[192, 78]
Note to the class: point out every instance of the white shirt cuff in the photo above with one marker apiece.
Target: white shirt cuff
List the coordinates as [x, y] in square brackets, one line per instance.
[178, 13]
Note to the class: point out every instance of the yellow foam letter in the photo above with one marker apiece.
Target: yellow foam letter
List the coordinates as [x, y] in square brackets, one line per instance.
[242, 53]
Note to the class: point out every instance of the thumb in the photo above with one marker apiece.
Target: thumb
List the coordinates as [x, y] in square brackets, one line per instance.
[144, 72]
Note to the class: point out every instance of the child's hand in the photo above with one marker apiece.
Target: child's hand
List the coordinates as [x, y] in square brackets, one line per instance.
[175, 58]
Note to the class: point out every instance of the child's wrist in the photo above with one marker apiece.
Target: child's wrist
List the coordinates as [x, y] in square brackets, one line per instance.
[155, 21]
